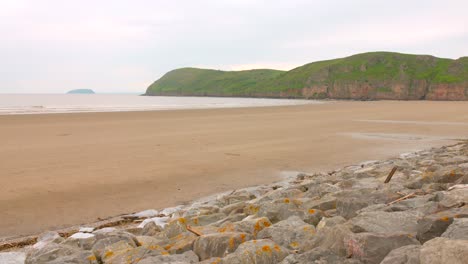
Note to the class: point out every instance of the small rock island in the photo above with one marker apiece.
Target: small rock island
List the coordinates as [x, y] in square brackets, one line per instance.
[81, 91]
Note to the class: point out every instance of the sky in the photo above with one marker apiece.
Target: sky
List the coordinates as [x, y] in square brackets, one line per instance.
[122, 46]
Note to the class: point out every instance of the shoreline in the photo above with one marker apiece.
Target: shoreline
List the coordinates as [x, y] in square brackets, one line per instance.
[65, 176]
[120, 220]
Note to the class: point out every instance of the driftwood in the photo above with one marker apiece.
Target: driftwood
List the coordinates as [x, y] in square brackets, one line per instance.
[403, 198]
[189, 228]
[390, 175]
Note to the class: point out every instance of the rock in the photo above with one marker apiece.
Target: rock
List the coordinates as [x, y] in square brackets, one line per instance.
[46, 238]
[403, 255]
[231, 218]
[434, 225]
[252, 225]
[146, 214]
[330, 221]
[373, 248]
[159, 221]
[257, 252]
[185, 258]
[386, 222]
[291, 233]
[330, 238]
[150, 229]
[219, 244]
[233, 208]
[81, 240]
[12, 257]
[442, 250]
[112, 250]
[86, 229]
[457, 230]
[448, 174]
[134, 255]
[206, 219]
[57, 253]
[320, 190]
[325, 203]
[318, 255]
[149, 241]
[101, 246]
[180, 243]
[350, 201]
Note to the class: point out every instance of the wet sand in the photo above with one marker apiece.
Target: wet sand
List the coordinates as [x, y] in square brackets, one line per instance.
[59, 170]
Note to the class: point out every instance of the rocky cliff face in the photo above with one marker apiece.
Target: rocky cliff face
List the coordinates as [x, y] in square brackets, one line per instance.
[368, 76]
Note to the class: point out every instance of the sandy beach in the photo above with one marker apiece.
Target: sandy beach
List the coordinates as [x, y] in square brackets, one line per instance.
[59, 170]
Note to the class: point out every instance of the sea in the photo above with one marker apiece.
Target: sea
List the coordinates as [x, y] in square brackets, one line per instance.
[20, 104]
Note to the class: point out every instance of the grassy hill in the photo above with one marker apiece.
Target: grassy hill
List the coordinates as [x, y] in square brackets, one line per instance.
[374, 75]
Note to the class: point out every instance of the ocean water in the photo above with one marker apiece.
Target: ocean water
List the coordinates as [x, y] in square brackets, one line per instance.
[14, 104]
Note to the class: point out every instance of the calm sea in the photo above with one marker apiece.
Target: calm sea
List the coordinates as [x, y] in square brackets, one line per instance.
[12, 104]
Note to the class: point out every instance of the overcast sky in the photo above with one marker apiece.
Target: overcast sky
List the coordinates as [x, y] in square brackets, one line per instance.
[52, 46]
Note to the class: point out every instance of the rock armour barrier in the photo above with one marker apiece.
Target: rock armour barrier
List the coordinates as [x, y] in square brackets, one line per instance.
[345, 216]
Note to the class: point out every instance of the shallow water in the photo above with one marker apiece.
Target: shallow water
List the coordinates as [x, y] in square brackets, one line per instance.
[75, 103]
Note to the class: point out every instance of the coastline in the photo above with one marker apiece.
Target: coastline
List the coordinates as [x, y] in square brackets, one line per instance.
[247, 143]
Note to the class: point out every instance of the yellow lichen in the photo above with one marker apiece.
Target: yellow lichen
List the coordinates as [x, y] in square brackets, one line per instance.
[108, 254]
[311, 211]
[266, 249]
[195, 220]
[182, 220]
[242, 237]
[277, 248]
[92, 258]
[294, 244]
[286, 200]
[232, 243]
[445, 219]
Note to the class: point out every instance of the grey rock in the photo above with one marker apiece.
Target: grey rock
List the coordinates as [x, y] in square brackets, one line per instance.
[150, 229]
[434, 225]
[57, 253]
[386, 222]
[219, 244]
[442, 250]
[330, 238]
[12, 257]
[291, 233]
[257, 252]
[373, 248]
[319, 256]
[102, 246]
[330, 221]
[81, 240]
[403, 255]
[457, 230]
[185, 258]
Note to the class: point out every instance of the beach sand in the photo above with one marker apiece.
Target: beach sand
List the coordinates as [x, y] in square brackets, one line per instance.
[59, 170]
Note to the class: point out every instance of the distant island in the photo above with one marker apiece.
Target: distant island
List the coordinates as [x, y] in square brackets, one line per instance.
[81, 91]
[366, 76]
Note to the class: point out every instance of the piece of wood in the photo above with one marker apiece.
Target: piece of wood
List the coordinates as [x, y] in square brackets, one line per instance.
[403, 198]
[390, 175]
[189, 228]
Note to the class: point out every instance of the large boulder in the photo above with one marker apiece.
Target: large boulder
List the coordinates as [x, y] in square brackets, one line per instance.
[457, 230]
[330, 238]
[185, 258]
[442, 250]
[81, 240]
[372, 247]
[57, 253]
[291, 233]
[262, 251]
[434, 225]
[403, 255]
[12, 257]
[386, 222]
[319, 256]
[219, 244]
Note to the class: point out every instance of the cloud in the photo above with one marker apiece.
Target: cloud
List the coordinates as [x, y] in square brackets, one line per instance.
[54, 46]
